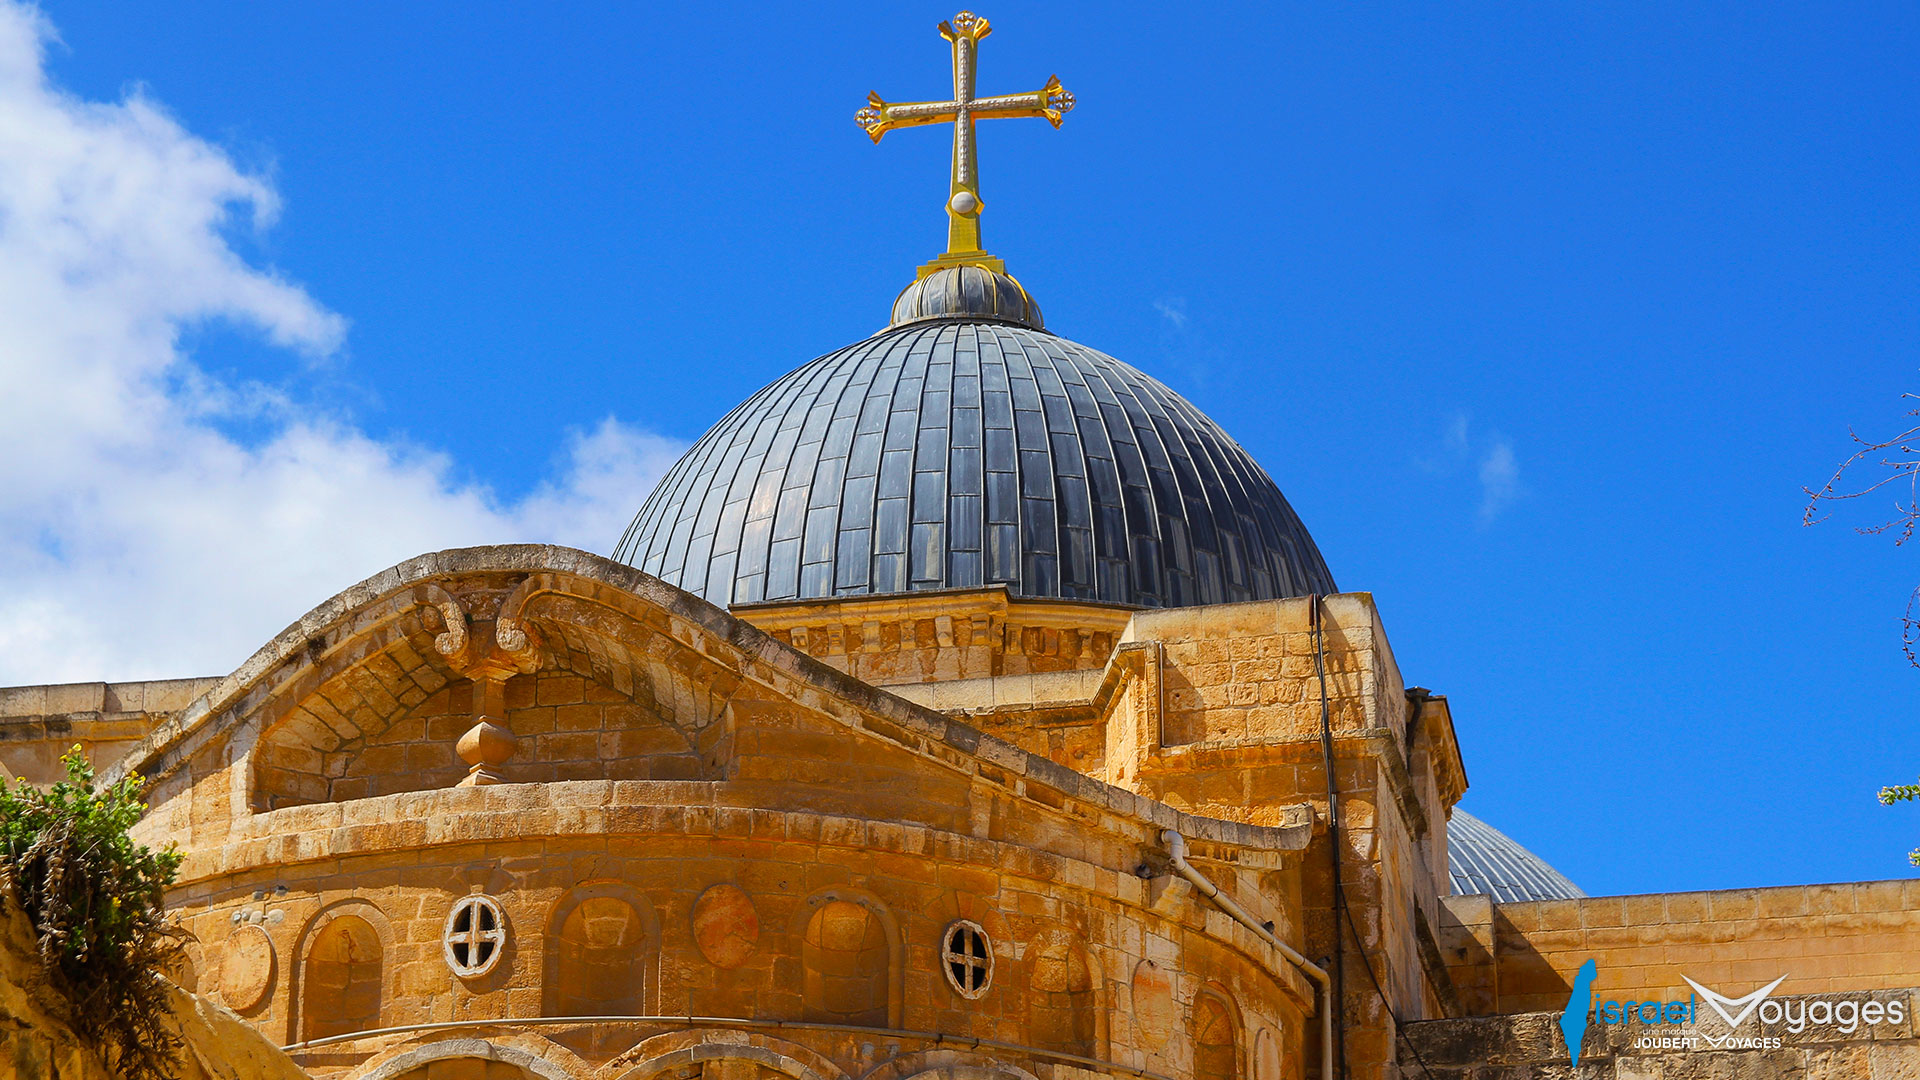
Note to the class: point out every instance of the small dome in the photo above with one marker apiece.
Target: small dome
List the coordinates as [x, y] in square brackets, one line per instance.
[1482, 859]
[966, 292]
[964, 453]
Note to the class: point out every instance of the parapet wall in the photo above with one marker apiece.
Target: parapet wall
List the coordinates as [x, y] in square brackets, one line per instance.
[40, 723]
[1511, 958]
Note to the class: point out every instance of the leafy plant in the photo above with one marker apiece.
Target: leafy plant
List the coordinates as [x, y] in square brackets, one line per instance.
[1899, 793]
[93, 895]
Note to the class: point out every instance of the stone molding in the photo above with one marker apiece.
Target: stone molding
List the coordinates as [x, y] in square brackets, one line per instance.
[446, 1049]
[945, 742]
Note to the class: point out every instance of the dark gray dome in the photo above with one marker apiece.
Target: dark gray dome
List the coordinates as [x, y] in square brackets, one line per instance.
[952, 455]
[1482, 859]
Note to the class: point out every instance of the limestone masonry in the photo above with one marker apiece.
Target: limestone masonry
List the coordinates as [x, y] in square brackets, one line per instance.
[880, 837]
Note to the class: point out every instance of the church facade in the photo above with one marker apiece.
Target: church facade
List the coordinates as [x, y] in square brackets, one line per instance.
[965, 705]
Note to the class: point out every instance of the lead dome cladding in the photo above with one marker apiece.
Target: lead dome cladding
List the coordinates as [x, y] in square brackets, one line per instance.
[1482, 859]
[955, 455]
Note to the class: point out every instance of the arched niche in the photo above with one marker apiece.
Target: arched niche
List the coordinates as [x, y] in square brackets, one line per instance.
[345, 686]
[1062, 1010]
[942, 1063]
[1216, 1037]
[342, 975]
[1269, 1060]
[851, 958]
[602, 947]
[466, 1068]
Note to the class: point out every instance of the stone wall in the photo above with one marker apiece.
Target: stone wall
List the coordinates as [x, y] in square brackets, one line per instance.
[1531, 1045]
[1217, 711]
[1233, 730]
[1507, 958]
[571, 728]
[40, 723]
[808, 875]
[720, 910]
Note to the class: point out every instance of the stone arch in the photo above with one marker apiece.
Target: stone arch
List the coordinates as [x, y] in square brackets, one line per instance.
[341, 975]
[466, 1059]
[683, 1053]
[555, 619]
[1216, 1036]
[851, 959]
[602, 948]
[945, 1064]
[1062, 1009]
[345, 683]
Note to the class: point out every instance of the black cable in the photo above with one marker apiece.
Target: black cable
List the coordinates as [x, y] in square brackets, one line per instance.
[1342, 912]
[1339, 992]
[1398, 1029]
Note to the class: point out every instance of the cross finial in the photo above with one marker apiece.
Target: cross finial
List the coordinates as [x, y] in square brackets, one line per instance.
[1050, 102]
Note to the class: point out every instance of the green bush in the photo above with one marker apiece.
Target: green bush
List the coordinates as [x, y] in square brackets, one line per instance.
[1900, 793]
[94, 897]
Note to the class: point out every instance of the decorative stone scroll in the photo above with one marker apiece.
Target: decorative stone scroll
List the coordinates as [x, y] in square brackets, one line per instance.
[453, 639]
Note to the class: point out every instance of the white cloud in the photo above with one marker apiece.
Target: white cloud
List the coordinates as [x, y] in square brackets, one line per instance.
[1174, 310]
[1499, 479]
[1491, 458]
[137, 539]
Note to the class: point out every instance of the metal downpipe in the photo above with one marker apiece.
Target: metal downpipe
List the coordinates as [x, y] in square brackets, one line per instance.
[1177, 855]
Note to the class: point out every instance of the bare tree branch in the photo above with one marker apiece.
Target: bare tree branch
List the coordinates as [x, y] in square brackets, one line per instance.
[1898, 462]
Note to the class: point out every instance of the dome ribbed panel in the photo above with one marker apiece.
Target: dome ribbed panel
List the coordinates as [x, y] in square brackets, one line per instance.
[1482, 859]
[952, 455]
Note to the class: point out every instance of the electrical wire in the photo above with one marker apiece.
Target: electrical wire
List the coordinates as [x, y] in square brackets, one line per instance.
[1343, 912]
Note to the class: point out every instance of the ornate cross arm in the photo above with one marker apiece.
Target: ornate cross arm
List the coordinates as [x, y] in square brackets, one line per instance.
[1051, 102]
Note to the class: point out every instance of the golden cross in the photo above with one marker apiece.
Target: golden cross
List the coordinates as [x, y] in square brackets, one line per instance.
[963, 201]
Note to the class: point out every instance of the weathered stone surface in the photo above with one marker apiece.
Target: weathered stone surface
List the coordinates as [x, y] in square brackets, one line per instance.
[725, 925]
[246, 968]
[1516, 1046]
[37, 1041]
[729, 816]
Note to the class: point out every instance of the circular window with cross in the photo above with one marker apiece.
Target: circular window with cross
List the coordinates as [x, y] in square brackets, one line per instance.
[967, 958]
[476, 935]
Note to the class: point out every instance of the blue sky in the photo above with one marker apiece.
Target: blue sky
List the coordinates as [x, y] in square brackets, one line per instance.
[1540, 315]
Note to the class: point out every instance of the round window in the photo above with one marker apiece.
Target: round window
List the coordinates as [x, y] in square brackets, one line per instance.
[476, 935]
[967, 958]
